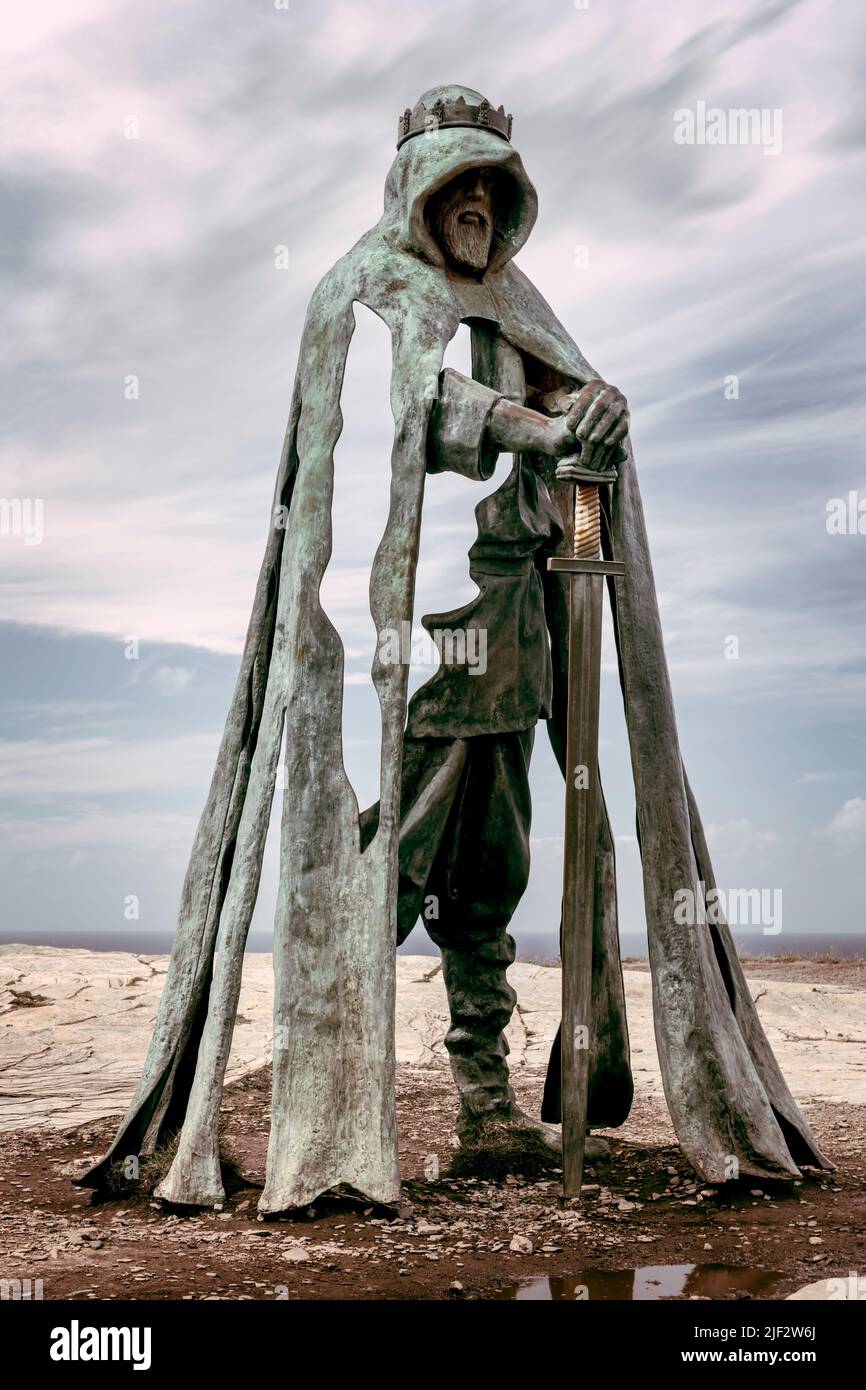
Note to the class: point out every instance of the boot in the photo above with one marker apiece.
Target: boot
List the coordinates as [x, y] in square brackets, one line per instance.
[481, 1002]
[470, 1128]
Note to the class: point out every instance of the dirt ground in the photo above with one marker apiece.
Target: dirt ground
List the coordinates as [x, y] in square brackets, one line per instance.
[466, 1239]
[812, 970]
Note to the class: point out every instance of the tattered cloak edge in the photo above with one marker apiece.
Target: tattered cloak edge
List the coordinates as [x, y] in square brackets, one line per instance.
[333, 1102]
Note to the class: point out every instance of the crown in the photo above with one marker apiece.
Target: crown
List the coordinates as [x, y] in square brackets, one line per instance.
[444, 114]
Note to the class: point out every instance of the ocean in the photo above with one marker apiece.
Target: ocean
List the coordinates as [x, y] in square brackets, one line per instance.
[539, 947]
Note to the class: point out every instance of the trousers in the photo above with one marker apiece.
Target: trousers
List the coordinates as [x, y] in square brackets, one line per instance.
[464, 866]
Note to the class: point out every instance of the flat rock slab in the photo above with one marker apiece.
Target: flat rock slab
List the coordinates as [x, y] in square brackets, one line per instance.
[74, 1029]
[832, 1290]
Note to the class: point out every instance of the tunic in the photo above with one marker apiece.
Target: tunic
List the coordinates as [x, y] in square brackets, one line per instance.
[516, 524]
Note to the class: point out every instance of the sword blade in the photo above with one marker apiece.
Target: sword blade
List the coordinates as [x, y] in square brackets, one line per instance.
[586, 593]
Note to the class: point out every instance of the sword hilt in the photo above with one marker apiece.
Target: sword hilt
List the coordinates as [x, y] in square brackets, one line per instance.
[587, 508]
[587, 522]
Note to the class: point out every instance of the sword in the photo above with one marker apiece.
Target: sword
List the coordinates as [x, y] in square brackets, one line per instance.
[585, 570]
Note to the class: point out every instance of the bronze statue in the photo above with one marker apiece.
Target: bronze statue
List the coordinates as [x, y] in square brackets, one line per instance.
[453, 817]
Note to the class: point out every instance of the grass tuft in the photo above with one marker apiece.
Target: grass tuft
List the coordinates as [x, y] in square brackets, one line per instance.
[152, 1168]
[502, 1147]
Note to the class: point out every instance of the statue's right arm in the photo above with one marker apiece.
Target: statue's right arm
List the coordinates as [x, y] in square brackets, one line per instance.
[471, 425]
[515, 429]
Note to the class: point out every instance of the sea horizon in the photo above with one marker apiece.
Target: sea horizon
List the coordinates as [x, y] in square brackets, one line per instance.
[540, 948]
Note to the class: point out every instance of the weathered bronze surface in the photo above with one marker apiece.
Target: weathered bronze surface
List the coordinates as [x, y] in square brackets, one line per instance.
[454, 808]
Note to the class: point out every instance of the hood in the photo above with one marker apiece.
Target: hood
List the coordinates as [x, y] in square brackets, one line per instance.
[426, 162]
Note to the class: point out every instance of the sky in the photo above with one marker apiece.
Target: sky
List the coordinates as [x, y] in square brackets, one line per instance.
[176, 180]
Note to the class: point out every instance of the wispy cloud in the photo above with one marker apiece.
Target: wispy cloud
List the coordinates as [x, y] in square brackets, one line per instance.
[151, 342]
[847, 829]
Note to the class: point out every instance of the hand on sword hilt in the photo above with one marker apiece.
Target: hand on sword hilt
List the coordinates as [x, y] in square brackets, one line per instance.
[592, 462]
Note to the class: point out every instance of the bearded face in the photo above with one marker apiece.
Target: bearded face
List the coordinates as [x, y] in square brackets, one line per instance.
[461, 217]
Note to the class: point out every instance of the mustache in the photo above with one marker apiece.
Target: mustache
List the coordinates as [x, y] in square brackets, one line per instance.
[469, 211]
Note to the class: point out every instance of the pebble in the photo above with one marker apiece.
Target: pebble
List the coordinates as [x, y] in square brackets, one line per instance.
[296, 1254]
[431, 1168]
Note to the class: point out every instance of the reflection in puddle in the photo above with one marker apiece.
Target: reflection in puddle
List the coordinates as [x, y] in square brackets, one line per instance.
[652, 1281]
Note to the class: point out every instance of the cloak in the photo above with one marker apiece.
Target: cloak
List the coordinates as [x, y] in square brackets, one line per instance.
[334, 1120]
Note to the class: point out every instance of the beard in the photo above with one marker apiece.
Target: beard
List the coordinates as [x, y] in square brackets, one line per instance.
[466, 243]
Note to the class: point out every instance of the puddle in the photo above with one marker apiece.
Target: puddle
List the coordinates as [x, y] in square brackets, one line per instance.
[651, 1281]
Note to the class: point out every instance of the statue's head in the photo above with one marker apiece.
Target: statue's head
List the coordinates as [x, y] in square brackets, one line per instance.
[460, 215]
[457, 193]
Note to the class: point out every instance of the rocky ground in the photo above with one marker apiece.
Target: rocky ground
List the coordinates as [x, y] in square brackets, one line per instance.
[643, 1213]
[75, 1024]
[849, 972]
[645, 1228]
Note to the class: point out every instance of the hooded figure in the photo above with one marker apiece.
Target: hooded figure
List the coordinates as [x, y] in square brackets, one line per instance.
[453, 817]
